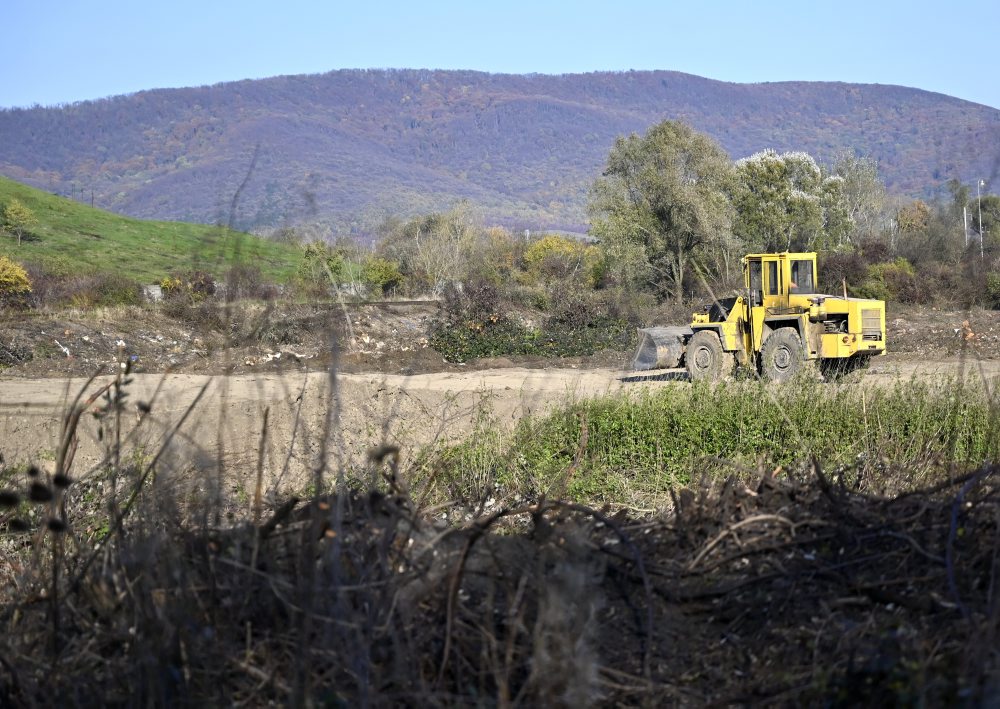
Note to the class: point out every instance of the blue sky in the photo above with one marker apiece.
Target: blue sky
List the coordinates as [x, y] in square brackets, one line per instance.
[60, 51]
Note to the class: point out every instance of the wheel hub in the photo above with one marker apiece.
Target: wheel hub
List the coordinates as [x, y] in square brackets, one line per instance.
[782, 358]
[703, 358]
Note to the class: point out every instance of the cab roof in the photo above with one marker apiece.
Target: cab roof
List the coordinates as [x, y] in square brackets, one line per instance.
[784, 255]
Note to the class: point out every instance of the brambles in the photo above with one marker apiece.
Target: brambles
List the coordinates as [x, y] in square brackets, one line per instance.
[828, 584]
[246, 281]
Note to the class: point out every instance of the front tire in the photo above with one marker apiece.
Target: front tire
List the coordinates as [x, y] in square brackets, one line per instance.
[705, 358]
[782, 356]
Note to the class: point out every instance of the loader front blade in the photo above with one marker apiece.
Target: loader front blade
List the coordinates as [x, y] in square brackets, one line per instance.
[660, 347]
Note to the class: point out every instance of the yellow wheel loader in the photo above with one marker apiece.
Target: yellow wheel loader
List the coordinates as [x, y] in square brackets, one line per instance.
[779, 326]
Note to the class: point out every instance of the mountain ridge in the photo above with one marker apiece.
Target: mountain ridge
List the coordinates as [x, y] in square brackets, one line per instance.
[348, 147]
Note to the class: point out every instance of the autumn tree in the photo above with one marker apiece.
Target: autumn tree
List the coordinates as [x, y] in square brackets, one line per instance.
[433, 250]
[863, 193]
[927, 233]
[660, 202]
[914, 218]
[17, 219]
[559, 258]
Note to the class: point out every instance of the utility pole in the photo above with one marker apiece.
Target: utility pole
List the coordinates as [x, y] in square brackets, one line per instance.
[979, 201]
[965, 225]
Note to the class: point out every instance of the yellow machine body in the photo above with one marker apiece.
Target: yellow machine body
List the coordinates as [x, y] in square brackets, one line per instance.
[781, 293]
[778, 323]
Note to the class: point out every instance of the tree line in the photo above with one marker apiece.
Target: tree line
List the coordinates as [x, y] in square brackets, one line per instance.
[671, 204]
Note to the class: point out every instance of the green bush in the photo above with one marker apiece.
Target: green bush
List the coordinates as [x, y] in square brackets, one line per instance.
[322, 266]
[113, 289]
[381, 274]
[101, 289]
[993, 289]
[893, 281]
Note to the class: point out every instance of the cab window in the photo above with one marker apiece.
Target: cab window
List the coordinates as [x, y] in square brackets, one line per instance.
[756, 283]
[802, 278]
[772, 278]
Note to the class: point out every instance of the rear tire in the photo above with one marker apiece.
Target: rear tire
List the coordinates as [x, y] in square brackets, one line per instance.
[782, 356]
[705, 358]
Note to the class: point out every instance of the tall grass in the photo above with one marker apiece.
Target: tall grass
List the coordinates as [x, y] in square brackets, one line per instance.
[636, 447]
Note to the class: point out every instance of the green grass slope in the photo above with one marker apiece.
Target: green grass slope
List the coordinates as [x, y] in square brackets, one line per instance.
[82, 239]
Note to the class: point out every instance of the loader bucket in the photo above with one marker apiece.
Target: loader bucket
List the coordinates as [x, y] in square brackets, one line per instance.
[660, 347]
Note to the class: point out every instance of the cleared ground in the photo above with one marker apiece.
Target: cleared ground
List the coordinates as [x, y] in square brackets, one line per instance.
[391, 388]
[408, 411]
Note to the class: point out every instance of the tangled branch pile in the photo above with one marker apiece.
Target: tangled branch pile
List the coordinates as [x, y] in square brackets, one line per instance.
[798, 589]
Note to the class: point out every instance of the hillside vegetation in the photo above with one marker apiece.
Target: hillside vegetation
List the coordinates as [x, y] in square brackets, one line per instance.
[347, 147]
[75, 238]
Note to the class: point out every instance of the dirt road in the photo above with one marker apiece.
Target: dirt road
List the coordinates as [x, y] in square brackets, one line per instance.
[407, 411]
[369, 410]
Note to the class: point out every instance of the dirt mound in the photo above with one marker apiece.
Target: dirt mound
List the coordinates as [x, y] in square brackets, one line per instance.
[209, 338]
[931, 332]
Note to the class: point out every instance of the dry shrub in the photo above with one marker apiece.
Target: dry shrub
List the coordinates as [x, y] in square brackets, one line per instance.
[55, 288]
[823, 595]
[479, 321]
[245, 281]
[836, 267]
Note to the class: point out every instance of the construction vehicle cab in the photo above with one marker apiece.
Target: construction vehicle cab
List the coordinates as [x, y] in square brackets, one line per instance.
[777, 326]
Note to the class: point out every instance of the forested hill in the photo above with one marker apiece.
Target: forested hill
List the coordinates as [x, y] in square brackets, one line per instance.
[349, 146]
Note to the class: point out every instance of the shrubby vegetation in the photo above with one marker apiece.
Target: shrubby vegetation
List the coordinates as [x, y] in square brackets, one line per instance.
[671, 216]
[381, 275]
[477, 323]
[636, 448]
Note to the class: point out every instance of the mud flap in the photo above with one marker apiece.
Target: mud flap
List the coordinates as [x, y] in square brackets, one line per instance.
[660, 347]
